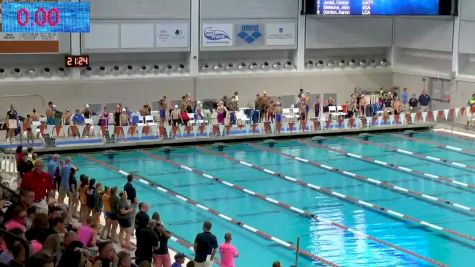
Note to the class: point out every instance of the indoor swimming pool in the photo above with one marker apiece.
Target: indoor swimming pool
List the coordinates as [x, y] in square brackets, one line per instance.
[390, 200]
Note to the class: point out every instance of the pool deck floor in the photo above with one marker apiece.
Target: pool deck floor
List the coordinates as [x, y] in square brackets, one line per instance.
[72, 145]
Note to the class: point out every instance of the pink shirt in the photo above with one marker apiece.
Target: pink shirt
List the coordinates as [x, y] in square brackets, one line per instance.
[85, 235]
[228, 253]
[12, 224]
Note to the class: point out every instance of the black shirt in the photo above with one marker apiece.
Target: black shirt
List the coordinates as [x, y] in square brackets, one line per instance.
[163, 249]
[131, 193]
[39, 235]
[146, 241]
[206, 242]
[12, 114]
[24, 167]
[413, 102]
[73, 181]
[141, 220]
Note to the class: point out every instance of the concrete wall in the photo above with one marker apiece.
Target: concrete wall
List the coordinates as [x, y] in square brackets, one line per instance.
[134, 93]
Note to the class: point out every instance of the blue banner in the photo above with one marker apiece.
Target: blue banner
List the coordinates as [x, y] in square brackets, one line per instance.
[45, 17]
[377, 7]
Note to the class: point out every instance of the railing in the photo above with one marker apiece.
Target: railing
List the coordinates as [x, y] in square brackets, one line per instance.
[7, 163]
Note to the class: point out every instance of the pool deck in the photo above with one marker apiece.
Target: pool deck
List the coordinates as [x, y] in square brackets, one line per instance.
[95, 144]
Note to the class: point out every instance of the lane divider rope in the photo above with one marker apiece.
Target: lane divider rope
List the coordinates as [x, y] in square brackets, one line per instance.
[454, 134]
[391, 186]
[418, 155]
[214, 212]
[432, 143]
[304, 212]
[367, 204]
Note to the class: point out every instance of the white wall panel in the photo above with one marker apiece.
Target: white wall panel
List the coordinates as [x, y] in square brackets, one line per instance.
[467, 37]
[348, 32]
[140, 9]
[226, 9]
[137, 35]
[467, 9]
[425, 34]
[102, 36]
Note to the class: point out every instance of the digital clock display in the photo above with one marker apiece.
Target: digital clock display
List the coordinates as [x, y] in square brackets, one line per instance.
[81, 61]
[45, 17]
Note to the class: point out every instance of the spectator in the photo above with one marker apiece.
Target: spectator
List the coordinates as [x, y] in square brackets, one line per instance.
[114, 203]
[125, 217]
[179, 260]
[405, 99]
[105, 234]
[73, 200]
[424, 101]
[39, 230]
[67, 117]
[65, 175]
[205, 247]
[25, 166]
[276, 264]
[162, 257]
[471, 106]
[73, 255]
[107, 256]
[413, 102]
[124, 259]
[40, 259]
[131, 195]
[17, 220]
[12, 122]
[147, 243]
[87, 233]
[53, 165]
[228, 252]
[142, 218]
[91, 197]
[83, 198]
[18, 154]
[52, 247]
[38, 181]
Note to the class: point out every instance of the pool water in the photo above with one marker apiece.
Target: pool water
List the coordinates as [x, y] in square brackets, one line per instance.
[340, 247]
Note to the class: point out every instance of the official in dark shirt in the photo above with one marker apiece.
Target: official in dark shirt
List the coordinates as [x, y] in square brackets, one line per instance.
[131, 193]
[424, 101]
[147, 242]
[142, 218]
[205, 246]
[413, 102]
[25, 166]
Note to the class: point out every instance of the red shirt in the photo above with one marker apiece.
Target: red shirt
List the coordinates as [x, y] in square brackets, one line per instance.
[39, 183]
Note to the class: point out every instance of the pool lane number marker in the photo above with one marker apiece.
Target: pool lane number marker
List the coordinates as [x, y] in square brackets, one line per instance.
[367, 204]
[215, 212]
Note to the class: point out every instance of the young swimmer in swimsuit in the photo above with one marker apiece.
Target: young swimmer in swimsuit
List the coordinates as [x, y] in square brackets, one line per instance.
[222, 110]
[162, 107]
[278, 112]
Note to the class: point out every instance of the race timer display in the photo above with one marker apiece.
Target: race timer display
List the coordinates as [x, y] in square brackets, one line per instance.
[45, 17]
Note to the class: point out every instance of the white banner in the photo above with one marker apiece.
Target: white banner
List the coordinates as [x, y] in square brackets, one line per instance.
[217, 35]
[172, 35]
[281, 33]
[28, 36]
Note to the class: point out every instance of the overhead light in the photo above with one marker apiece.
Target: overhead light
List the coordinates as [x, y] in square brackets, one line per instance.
[342, 64]
[309, 64]
[288, 65]
[31, 73]
[320, 64]
[265, 66]
[102, 70]
[205, 67]
[352, 63]
[373, 62]
[253, 66]
[156, 68]
[87, 72]
[61, 71]
[181, 68]
[229, 67]
[16, 72]
[169, 68]
[2, 72]
[242, 66]
[363, 63]
[277, 66]
[384, 62]
[218, 67]
[330, 64]
[143, 69]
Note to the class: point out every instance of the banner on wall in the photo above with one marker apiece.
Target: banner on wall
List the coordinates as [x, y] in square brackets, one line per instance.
[280, 33]
[249, 34]
[172, 35]
[217, 35]
[28, 36]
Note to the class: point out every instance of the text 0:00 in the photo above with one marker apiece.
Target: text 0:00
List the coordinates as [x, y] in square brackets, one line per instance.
[42, 17]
